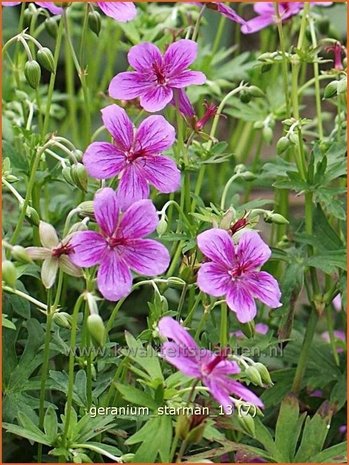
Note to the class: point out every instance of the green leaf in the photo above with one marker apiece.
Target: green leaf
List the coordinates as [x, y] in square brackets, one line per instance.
[328, 262]
[135, 396]
[145, 357]
[24, 433]
[51, 424]
[288, 429]
[334, 454]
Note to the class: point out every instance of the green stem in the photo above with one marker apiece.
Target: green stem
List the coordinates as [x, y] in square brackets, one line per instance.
[224, 325]
[303, 358]
[28, 195]
[44, 370]
[53, 78]
[284, 59]
[219, 35]
[73, 335]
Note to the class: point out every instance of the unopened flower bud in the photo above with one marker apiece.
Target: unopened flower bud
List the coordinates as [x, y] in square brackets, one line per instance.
[162, 226]
[51, 27]
[94, 22]
[80, 226]
[79, 176]
[96, 328]
[247, 424]
[27, 17]
[9, 273]
[62, 319]
[86, 208]
[342, 86]
[32, 216]
[164, 304]
[227, 219]
[66, 173]
[258, 125]
[267, 135]
[78, 154]
[248, 176]
[293, 137]
[254, 376]
[255, 91]
[275, 218]
[264, 373]
[282, 145]
[32, 72]
[331, 89]
[92, 303]
[127, 458]
[19, 253]
[45, 58]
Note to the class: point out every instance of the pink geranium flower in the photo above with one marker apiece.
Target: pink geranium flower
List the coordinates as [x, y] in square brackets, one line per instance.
[50, 6]
[156, 76]
[267, 15]
[233, 271]
[120, 246]
[121, 11]
[225, 10]
[134, 155]
[210, 368]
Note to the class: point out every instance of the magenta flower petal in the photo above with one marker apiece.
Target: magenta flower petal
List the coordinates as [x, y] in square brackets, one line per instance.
[114, 279]
[264, 287]
[162, 173]
[256, 24]
[241, 391]
[213, 279]
[181, 100]
[241, 302]
[219, 391]
[51, 7]
[88, 248]
[252, 252]
[156, 98]
[132, 187]
[146, 257]
[180, 55]
[229, 13]
[154, 135]
[103, 160]
[128, 85]
[142, 57]
[171, 329]
[226, 367]
[119, 125]
[10, 3]
[120, 11]
[106, 210]
[217, 245]
[139, 220]
[187, 78]
[178, 357]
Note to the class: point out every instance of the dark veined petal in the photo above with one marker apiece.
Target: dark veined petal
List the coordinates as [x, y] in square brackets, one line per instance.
[119, 125]
[146, 257]
[106, 210]
[88, 248]
[139, 220]
[103, 160]
[217, 245]
[120, 11]
[114, 279]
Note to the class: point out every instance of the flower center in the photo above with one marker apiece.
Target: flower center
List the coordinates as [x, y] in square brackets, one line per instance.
[115, 241]
[62, 249]
[237, 271]
[159, 73]
[223, 355]
[131, 156]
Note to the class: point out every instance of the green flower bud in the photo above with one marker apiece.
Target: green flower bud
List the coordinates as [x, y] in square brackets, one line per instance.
[293, 137]
[267, 134]
[248, 176]
[32, 216]
[80, 226]
[164, 304]
[19, 253]
[182, 426]
[66, 173]
[51, 27]
[196, 434]
[264, 373]
[79, 176]
[62, 319]
[127, 458]
[96, 328]
[247, 424]
[245, 96]
[331, 89]
[9, 273]
[45, 58]
[255, 92]
[254, 376]
[162, 226]
[32, 72]
[282, 145]
[342, 86]
[86, 208]
[258, 125]
[275, 218]
[78, 154]
[27, 17]
[94, 22]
